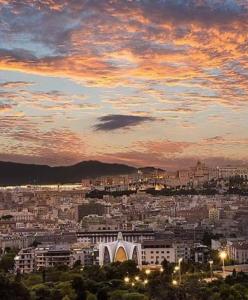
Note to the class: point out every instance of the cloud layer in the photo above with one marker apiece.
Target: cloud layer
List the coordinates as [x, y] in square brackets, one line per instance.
[173, 71]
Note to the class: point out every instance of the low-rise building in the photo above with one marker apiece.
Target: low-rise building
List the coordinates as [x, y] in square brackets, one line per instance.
[238, 251]
[51, 256]
[155, 252]
[25, 260]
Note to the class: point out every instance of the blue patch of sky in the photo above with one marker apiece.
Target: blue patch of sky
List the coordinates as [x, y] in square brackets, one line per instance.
[237, 67]
[213, 71]
[64, 85]
[23, 42]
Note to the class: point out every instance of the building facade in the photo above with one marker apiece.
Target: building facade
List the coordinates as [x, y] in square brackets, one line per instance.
[119, 251]
[238, 251]
[25, 260]
[155, 252]
[108, 236]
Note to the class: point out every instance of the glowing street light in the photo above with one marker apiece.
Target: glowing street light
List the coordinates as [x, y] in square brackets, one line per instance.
[223, 256]
[174, 282]
[179, 265]
[126, 279]
[137, 278]
[148, 271]
[161, 269]
[145, 281]
[176, 268]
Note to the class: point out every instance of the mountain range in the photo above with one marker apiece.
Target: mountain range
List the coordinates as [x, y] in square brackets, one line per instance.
[12, 173]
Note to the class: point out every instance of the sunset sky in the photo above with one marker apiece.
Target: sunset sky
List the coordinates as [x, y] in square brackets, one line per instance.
[141, 82]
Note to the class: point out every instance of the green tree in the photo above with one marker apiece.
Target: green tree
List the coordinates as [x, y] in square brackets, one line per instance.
[117, 295]
[128, 267]
[168, 271]
[12, 290]
[43, 293]
[134, 296]
[91, 297]
[7, 261]
[77, 264]
[66, 289]
[32, 279]
[79, 287]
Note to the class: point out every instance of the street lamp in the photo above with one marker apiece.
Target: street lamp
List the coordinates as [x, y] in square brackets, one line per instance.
[211, 269]
[148, 271]
[137, 278]
[126, 279]
[145, 281]
[179, 265]
[223, 256]
[161, 269]
[174, 282]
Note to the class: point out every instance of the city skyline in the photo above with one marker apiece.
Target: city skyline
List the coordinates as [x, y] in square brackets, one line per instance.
[161, 83]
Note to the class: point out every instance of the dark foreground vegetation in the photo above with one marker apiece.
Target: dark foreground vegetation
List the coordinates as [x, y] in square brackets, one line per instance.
[108, 283]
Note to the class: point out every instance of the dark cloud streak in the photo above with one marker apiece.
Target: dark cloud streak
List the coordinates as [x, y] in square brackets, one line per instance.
[114, 122]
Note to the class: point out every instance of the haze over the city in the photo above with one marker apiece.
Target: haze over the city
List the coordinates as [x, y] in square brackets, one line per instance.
[160, 83]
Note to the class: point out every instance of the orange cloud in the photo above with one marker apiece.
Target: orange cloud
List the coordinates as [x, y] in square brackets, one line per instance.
[180, 62]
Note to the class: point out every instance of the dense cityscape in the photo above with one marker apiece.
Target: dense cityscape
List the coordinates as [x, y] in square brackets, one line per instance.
[135, 232]
[123, 150]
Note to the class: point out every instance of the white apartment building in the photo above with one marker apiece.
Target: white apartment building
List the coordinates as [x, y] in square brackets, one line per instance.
[24, 261]
[238, 251]
[31, 259]
[155, 252]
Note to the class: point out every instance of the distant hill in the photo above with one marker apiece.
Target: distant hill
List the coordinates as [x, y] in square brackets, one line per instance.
[16, 173]
[12, 173]
[148, 170]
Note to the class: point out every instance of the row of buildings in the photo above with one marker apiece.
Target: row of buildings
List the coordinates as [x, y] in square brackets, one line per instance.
[148, 253]
[194, 176]
[68, 224]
